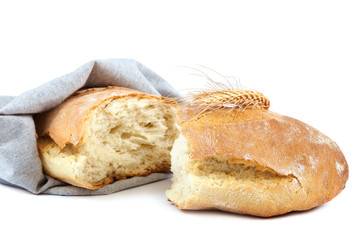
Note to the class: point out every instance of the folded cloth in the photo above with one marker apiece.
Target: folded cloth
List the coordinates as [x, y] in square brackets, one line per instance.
[20, 165]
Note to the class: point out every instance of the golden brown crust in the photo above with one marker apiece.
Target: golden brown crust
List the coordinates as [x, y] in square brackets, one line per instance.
[189, 115]
[146, 172]
[66, 122]
[109, 179]
[285, 145]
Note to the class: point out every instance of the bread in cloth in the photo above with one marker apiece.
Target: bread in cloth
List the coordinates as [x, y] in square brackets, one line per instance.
[252, 161]
[99, 135]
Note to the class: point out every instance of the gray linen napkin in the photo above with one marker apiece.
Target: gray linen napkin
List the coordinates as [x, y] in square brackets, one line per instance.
[20, 165]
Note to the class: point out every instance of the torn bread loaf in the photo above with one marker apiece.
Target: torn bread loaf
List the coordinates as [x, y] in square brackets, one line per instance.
[252, 161]
[99, 135]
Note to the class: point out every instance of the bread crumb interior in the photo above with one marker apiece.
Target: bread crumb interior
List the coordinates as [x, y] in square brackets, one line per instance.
[125, 137]
[217, 175]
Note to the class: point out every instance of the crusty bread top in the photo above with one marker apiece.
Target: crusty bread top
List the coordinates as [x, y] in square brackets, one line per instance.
[282, 144]
[190, 115]
[66, 122]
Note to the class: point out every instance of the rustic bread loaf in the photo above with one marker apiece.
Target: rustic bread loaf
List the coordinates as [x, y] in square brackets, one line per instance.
[252, 161]
[102, 134]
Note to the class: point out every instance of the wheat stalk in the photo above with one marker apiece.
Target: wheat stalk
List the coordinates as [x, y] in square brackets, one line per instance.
[244, 99]
[224, 95]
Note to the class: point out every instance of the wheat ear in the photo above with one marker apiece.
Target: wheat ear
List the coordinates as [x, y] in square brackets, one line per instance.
[224, 94]
[244, 99]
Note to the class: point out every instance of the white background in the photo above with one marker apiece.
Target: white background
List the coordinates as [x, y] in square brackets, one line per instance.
[303, 55]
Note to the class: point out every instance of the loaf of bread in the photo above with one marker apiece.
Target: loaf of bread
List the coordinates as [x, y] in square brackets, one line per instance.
[99, 135]
[242, 158]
